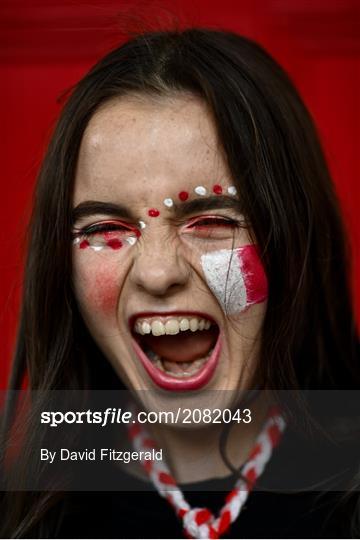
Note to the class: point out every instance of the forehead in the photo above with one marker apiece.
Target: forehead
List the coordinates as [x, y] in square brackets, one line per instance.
[134, 148]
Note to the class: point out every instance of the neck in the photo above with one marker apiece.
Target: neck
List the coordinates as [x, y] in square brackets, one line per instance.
[194, 454]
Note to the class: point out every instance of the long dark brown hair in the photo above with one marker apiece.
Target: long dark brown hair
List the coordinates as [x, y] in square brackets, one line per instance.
[276, 161]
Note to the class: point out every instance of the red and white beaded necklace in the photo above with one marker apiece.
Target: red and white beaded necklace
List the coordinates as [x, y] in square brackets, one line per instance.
[200, 522]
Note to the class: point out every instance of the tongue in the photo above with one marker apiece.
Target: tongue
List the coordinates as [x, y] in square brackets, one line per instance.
[183, 347]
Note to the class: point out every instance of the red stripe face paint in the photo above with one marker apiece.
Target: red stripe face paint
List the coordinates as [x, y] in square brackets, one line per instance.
[236, 277]
[254, 274]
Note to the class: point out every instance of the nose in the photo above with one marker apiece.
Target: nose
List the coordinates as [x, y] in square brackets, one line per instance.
[159, 268]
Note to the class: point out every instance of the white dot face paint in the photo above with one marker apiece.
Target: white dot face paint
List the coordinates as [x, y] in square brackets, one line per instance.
[131, 240]
[168, 202]
[200, 190]
[142, 224]
[236, 277]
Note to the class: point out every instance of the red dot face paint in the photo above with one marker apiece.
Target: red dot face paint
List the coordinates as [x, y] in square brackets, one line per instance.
[114, 243]
[153, 212]
[84, 244]
[217, 189]
[183, 195]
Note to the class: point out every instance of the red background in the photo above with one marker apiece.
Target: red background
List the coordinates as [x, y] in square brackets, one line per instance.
[45, 47]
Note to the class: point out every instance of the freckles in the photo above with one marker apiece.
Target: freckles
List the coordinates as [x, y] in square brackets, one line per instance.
[236, 277]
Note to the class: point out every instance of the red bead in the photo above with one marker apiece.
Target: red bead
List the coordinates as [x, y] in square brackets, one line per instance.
[217, 189]
[153, 212]
[183, 195]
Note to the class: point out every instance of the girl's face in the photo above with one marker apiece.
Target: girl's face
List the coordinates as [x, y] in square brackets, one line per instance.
[166, 275]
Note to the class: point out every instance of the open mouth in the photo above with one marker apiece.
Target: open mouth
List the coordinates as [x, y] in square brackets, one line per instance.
[179, 351]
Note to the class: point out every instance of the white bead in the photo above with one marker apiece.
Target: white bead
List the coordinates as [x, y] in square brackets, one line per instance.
[168, 202]
[200, 190]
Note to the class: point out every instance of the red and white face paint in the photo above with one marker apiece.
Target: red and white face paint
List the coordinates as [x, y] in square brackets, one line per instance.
[112, 235]
[236, 277]
[113, 280]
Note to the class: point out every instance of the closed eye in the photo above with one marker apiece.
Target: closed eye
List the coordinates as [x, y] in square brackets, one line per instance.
[213, 227]
[106, 227]
[213, 221]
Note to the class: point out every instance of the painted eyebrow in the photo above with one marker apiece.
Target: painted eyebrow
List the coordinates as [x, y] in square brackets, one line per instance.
[206, 203]
[90, 208]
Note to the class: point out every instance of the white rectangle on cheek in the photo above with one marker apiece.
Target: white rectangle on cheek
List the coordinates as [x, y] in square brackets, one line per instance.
[225, 279]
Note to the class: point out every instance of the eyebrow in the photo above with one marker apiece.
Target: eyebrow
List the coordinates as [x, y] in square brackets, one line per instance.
[213, 202]
[90, 208]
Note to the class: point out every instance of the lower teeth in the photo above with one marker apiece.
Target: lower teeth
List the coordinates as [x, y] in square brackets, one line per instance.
[191, 367]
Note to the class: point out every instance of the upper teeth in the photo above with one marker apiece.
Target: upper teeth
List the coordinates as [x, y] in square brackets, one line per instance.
[173, 326]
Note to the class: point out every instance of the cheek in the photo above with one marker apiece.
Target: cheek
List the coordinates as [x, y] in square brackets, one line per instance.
[97, 288]
[236, 277]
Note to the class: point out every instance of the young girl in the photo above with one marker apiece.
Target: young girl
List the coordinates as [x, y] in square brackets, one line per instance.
[185, 243]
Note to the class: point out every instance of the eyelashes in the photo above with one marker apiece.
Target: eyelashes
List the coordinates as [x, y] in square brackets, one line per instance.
[106, 227]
